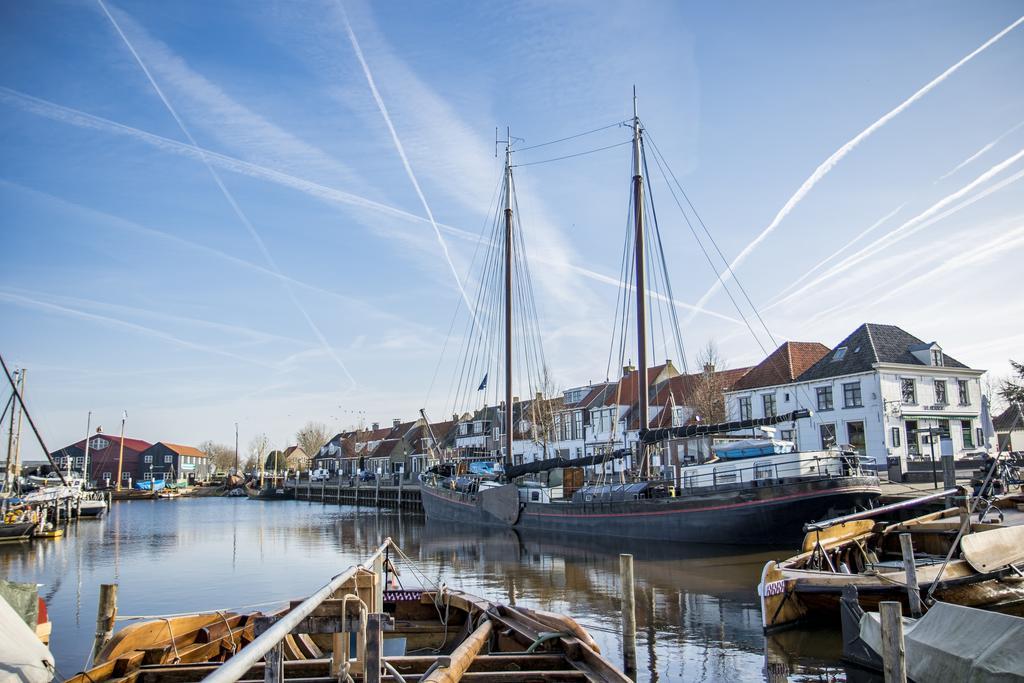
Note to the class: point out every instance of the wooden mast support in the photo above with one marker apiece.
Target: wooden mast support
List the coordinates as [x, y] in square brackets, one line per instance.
[913, 592]
[893, 653]
[641, 294]
[508, 299]
[105, 616]
[462, 657]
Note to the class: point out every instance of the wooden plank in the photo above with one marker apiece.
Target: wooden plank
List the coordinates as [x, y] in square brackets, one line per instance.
[893, 653]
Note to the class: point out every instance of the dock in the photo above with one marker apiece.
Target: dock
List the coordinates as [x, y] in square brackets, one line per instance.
[404, 496]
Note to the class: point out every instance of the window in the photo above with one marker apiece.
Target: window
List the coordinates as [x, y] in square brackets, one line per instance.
[168, 458]
[744, 407]
[785, 397]
[577, 424]
[125, 476]
[768, 401]
[148, 458]
[106, 475]
[851, 395]
[964, 392]
[828, 435]
[940, 392]
[788, 435]
[937, 357]
[896, 441]
[98, 444]
[839, 354]
[965, 426]
[855, 435]
[147, 476]
[908, 391]
[824, 398]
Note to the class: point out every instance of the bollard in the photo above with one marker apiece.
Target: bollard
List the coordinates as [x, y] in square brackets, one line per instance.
[949, 478]
[913, 592]
[893, 655]
[628, 615]
[105, 614]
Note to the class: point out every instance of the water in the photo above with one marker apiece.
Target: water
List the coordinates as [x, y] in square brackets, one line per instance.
[697, 613]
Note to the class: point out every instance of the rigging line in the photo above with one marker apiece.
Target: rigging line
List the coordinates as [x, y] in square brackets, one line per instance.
[455, 313]
[571, 137]
[570, 156]
[231, 200]
[621, 291]
[673, 313]
[715, 244]
[707, 257]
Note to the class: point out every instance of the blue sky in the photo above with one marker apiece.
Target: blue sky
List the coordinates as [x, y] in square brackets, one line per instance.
[129, 281]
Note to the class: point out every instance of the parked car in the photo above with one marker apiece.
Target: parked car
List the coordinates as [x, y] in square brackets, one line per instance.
[367, 476]
[319, 475]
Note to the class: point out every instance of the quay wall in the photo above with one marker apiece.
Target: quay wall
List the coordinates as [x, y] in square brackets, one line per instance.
[370, 494]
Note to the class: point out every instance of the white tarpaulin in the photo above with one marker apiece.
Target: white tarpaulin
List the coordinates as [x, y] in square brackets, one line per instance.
[23, 659]
[956, 643]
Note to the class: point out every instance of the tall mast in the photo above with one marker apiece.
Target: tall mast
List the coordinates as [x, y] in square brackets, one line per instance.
[508, 298]
[85, 460]
[641, 294]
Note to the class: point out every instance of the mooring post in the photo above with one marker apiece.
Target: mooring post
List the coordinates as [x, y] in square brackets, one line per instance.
[628, 615]
[323, 489]
[913, 592]
[893, 655]
[949, 478]
[376, 499]
[400, 477]
[357, 489]
[337, 499]
[374, 647]
[105, 615]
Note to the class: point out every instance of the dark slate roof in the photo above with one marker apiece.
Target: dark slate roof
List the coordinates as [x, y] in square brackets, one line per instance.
[1010, 419]
[869, 344]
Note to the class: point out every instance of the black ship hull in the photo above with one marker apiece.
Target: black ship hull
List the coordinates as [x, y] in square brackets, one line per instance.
[749, 515]
[17, 531]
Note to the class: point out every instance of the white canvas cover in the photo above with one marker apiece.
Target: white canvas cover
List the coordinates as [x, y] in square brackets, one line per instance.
[956, 643]
[24, 659]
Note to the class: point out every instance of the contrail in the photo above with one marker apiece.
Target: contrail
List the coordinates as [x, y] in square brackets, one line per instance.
[29, 302]
[827, 165]
[918, 222]
[81, 119]
[405, 160]
[230, 198]
[821, 264]
[979, 152]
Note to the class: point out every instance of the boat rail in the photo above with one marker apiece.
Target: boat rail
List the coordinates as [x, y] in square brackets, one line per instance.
[235, 668]
[772, 468]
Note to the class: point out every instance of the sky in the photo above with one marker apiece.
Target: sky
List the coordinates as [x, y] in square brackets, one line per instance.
[266, 213]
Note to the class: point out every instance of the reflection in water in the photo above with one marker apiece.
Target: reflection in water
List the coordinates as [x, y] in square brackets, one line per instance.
[697, 613]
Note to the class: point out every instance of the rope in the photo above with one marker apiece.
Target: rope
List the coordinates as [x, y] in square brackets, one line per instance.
[571, 137]
[570, 156]
[188, 614]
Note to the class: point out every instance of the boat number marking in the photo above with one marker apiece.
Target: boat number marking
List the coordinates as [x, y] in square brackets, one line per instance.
[773, 588]
[402, 596]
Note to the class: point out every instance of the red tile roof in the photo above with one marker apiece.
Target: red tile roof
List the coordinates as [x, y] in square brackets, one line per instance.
[129, 444]
[184, 450]
[784, 365]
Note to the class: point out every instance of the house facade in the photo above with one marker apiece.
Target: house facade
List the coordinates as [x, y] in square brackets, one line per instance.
[171, 462]
[1009, 426]
[104, 455]
[881, 390]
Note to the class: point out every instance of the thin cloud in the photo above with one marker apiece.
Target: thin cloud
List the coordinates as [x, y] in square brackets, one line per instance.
[838, 155]
[231, 201]
[979, 152]
[919, 222]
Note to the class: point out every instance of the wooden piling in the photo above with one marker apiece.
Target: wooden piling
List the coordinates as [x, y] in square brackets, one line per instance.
[913, 592]
[628, 615]
[105, 614]
[376, 498]
[948, 478]
[893, 653]
[323, 490]
[400, 491]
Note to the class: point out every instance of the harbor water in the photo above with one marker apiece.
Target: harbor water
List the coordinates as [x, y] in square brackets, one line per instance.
[698, 617]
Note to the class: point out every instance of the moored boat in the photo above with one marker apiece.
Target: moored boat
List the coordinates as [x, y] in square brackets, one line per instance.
[981, 567]
[361, 626]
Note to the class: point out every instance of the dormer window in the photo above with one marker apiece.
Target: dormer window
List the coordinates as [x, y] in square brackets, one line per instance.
[839, 354]
[937, 357]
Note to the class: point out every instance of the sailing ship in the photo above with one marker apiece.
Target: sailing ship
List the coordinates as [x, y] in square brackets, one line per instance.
[760, 500]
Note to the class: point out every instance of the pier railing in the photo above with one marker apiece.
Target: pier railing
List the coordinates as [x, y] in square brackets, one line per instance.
[766, 469]
[271, 641]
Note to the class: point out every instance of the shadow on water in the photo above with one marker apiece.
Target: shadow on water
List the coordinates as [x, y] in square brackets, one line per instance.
[698, 617]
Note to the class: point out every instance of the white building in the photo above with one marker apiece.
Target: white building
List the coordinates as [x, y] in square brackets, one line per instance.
[880, 390]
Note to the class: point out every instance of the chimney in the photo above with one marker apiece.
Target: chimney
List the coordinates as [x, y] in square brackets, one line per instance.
[626, 369]
[455, 417]
[396, 422]
[375, 426]
[709, 367]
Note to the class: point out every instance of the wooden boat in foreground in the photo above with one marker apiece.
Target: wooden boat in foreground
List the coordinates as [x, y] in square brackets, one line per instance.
[358, 628]
[984, 568]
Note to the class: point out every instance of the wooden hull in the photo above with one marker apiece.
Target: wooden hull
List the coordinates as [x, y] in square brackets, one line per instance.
[753, 516]
[18, 531]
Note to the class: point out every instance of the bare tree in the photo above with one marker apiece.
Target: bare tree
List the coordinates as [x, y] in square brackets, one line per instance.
[312, 436]
[259, 446]
[542, 412]
[992, 387]
[708, 393]
[221, 457]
